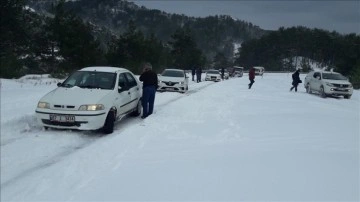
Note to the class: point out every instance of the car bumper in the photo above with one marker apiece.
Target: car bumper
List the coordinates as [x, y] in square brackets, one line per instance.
[338, 91]
[212, 79]
[174, 88]
[79, 121]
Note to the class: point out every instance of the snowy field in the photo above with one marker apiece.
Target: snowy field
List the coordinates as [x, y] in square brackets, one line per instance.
[219, 142]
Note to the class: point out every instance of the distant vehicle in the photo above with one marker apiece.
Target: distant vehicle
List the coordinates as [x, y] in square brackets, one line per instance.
[213, 75]
[91, 98]
[173, 80]
[328, 83]
[259, 70]
[238, 71]
[226, 74]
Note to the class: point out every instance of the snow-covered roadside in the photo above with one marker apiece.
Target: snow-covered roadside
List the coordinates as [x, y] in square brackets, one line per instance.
[222, 142]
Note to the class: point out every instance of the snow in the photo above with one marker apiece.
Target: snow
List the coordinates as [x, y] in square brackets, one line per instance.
[220, 142]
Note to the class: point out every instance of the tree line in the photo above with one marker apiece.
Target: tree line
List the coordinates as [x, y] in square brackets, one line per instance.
[277, 51]
[63, 43]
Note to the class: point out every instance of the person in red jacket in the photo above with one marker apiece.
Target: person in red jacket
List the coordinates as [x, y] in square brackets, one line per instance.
[251, 76]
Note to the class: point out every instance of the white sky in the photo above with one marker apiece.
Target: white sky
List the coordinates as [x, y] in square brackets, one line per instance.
[341, 16]
[218, 142]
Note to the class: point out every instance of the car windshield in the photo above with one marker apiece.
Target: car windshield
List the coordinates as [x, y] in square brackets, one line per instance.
[333, 76]
[86, 79]
[213, 72]
[173, 73]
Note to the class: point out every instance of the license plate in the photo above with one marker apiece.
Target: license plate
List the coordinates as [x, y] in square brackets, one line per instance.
[62, 118]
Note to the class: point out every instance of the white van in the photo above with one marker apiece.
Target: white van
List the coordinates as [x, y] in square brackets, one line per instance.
[259, 70]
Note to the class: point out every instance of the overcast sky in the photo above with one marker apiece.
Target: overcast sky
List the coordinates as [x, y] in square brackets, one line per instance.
[341, 16]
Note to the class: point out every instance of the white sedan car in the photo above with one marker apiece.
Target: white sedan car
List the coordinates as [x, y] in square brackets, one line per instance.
[328, 83]
[90, 99]
[213, 75]
[173, 80]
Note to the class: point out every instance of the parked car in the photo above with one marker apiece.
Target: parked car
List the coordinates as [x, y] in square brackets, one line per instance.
[328, 83]
[226, 74]
[259, 70]
[173, 80]
[213, 75]
[91, 98]
[238, 71]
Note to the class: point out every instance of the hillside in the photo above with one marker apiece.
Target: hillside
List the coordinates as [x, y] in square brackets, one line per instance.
[114, 16]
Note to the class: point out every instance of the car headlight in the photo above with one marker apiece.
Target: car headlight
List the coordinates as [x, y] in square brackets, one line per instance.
[94, 107]
[329, 84]
[181, 83]
[43, 105]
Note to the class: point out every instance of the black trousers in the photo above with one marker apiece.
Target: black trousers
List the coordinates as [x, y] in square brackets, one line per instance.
[251, 82]
[295, 85]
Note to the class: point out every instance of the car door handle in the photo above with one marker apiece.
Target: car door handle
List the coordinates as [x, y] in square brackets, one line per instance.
[129, 92]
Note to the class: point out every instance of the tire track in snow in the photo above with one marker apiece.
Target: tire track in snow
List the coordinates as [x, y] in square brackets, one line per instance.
[128, 122]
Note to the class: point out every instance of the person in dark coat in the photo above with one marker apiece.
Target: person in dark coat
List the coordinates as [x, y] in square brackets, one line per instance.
[296, 80]
[193, 73]
[198, 74]
[222, 73]
[150, 85]
[251, 76]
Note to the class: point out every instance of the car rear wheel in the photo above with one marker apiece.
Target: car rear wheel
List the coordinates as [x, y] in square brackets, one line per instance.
[322, 92]
[109, 123]
[308, 89]
[137, 110]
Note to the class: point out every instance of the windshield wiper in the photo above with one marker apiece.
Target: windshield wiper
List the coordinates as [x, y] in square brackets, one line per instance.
[88, 86]
[66, 85]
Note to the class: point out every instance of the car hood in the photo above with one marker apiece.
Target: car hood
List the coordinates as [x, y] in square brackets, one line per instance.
[74, 96]
[212, 74]
[172, 79]
[344, 82]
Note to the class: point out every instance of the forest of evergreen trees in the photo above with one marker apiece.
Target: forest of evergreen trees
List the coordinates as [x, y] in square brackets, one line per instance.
[63, 42]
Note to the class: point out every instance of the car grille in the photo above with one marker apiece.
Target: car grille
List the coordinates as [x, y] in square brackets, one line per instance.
[67, 124]
[341, 85]
[64, 106]
[170, 83]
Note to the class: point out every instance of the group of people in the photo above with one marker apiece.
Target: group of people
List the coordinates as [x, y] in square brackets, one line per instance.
[197, 72]
[150, 84]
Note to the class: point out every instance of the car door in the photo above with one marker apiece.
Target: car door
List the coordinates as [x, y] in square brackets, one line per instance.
[134, 90]
[316, 81]
[123, 97]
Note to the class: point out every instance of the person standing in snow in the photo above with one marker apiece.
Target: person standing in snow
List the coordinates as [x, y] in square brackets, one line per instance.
[150, 85]
[296, 80]
[251, 77]
[193, 73]
[222, 73]
[198, 74]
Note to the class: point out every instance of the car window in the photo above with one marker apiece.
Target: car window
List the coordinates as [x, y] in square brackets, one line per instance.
[213, 72]
[122, 81]
[131, 80]
[91, 79]
[317, 74]
[333, 76]
[173, 73]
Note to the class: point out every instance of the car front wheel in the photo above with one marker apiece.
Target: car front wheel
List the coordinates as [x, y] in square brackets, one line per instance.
[347, 96]
[322, 92]
[108, 127]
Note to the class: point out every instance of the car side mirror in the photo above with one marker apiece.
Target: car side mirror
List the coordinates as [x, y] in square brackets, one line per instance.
[59, 84]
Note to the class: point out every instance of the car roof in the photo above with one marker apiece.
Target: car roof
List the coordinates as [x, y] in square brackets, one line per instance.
[174, 69]
[104, 69]
[330, 72]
